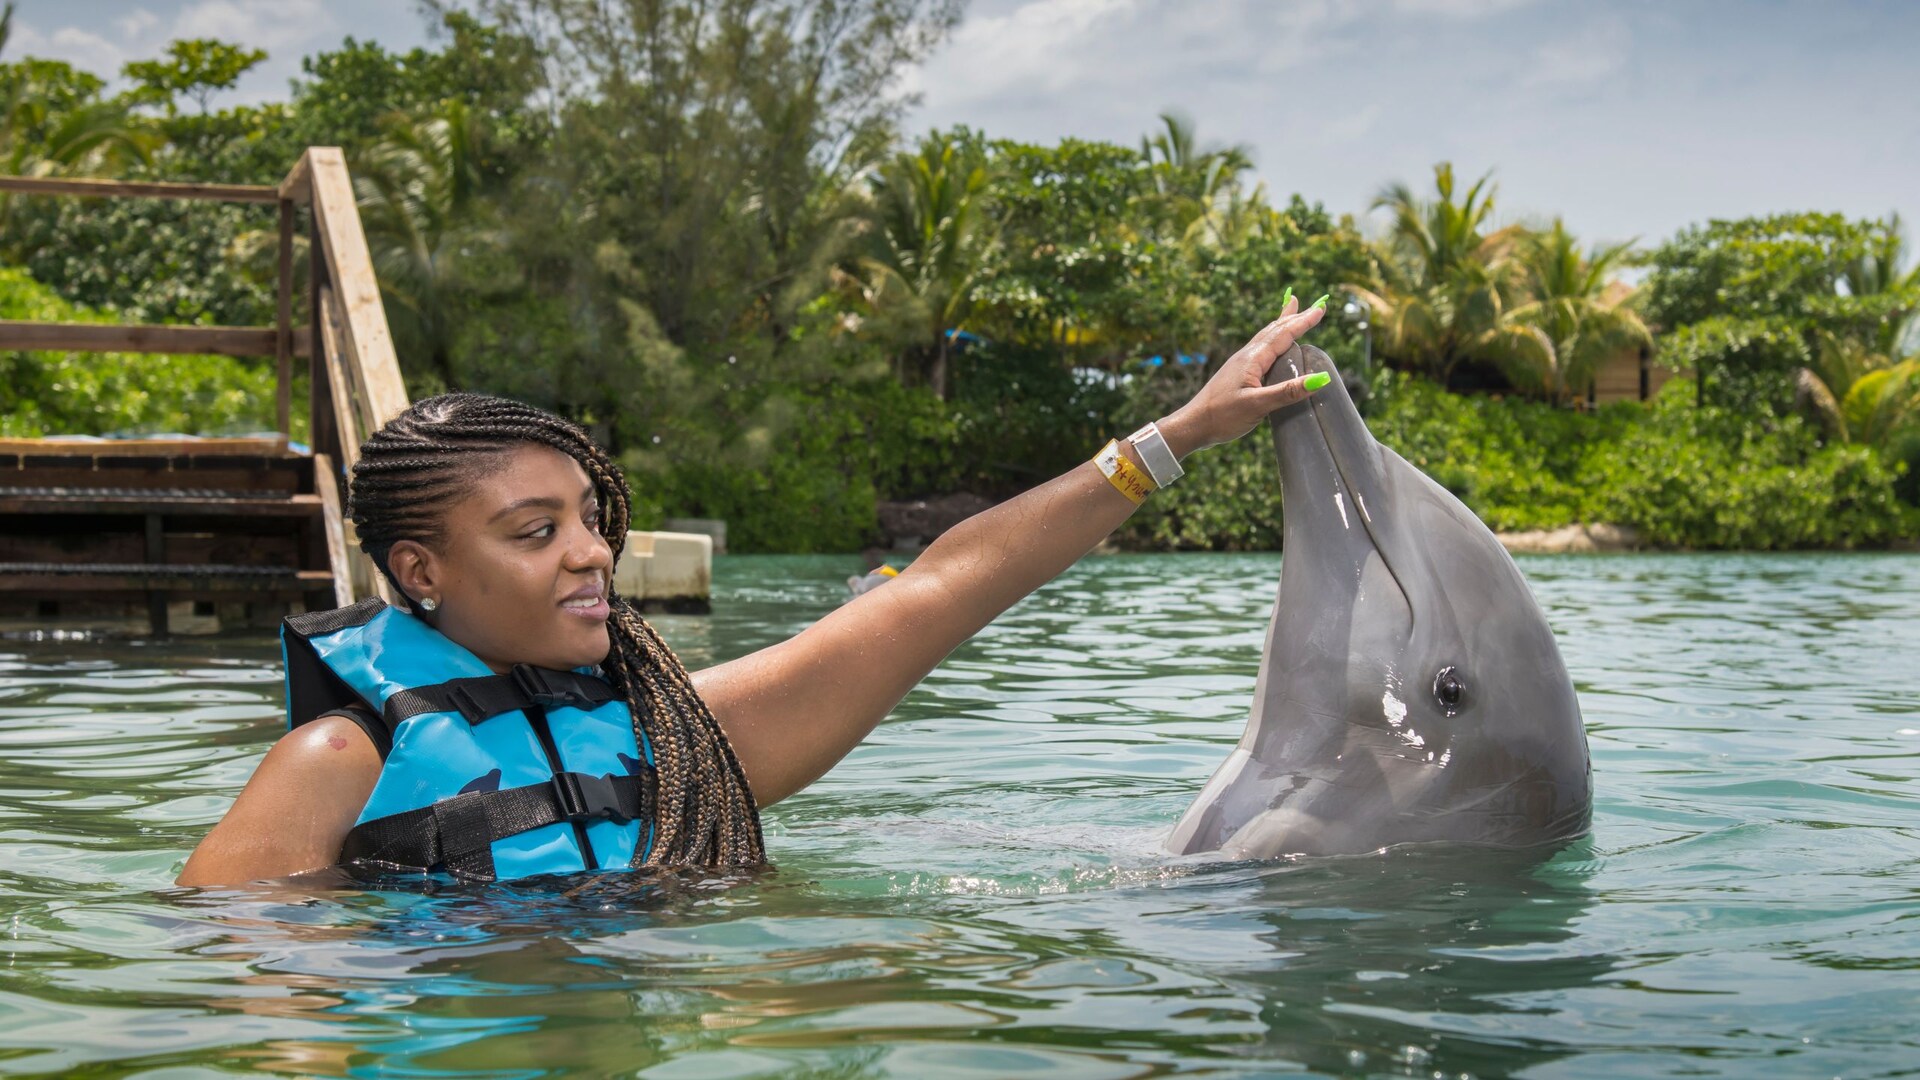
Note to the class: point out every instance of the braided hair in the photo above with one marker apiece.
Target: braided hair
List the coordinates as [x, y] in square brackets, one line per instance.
[420, 462]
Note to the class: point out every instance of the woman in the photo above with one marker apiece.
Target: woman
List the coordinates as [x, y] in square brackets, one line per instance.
[474, 733]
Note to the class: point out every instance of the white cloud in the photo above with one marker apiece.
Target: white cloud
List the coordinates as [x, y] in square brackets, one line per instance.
[1353, 126]
[1595, 52]
[272, 25]
[1458, 9]
[136, 23]
[84, 49]
[1125, 60]
[1044, 45]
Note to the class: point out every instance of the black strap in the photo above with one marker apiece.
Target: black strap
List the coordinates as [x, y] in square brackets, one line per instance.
[312, 624]
[368, 721]
[485, 696]
[458, 833]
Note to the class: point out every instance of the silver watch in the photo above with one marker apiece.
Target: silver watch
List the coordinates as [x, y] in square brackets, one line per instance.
[1158, 457]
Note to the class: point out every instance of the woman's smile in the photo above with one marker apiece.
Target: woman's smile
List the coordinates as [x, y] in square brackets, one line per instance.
[588, 602]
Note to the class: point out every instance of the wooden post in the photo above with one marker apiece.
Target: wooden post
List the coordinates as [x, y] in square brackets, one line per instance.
[283, 326]
[333, 528]
[156, 554]
[323, 432]
[367, 354]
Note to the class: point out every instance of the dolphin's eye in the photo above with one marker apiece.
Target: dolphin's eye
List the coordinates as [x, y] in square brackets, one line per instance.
[1449, 689]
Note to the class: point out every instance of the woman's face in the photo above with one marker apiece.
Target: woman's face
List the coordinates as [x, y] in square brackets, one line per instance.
[523, 576]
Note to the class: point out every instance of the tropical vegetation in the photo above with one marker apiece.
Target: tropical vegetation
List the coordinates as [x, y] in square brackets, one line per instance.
[700, 230]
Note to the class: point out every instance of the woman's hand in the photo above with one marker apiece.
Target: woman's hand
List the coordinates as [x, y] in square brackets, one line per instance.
[1233, 401]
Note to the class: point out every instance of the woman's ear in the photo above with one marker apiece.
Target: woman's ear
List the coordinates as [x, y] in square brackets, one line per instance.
[414, 568]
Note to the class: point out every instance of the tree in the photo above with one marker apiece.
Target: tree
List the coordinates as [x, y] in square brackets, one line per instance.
[1199, 189]
[54, 119]
[922, 245]
[418, 190]
[346, 96]
[1074, 240]
[716, 134]
[1447, 281]
[1878, 271]
[1572, 301]
[194, 67]
[1751, 302]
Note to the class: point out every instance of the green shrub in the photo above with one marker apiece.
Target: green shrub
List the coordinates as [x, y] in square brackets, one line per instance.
[1684, 477]
[808, 480]
[1708, 478]
[1019, 417]
[66, 393]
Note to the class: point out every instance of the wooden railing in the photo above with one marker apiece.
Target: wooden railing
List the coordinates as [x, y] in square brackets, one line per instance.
[356, 385]
[354, 372]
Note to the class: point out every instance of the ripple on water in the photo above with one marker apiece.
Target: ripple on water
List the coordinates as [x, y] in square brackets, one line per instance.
[979, 890]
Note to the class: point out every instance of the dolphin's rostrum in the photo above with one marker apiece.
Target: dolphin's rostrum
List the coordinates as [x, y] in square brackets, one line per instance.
[1410, 690]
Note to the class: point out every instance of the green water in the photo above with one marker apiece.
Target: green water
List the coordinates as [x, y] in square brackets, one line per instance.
[977, 890]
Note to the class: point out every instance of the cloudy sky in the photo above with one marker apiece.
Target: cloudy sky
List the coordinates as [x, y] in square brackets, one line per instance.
[1630, 119]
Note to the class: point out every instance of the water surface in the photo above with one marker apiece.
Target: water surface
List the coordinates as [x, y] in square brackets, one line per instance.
[977, 891]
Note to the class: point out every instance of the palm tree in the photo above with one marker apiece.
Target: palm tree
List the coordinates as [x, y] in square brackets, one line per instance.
[1446, 282]
[1882, 407]
[922, 241]
[1866, 388]
[1878, 272]
[1572, 302]
[1856, 393]
[417, 189]
[43, 132]
[1202, 187]
[1878, 405]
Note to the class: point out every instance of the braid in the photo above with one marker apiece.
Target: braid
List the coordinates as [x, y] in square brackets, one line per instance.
[422, 460]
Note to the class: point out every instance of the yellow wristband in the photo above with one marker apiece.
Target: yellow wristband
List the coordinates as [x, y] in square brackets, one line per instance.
[1121, 473]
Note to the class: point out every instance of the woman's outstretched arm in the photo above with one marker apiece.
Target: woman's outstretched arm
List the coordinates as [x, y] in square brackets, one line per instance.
[794, 709]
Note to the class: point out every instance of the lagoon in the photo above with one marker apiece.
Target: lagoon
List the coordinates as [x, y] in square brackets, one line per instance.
[977, 891]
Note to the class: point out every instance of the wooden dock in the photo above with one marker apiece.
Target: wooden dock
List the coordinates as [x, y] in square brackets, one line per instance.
[217, 533]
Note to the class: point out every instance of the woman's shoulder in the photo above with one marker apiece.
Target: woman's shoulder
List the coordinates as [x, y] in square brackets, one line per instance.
[330, 741]
[362, 719]
[328, 766]
[295, 810]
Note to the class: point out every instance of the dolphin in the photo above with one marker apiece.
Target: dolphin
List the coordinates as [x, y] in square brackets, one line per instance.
[1410, 690]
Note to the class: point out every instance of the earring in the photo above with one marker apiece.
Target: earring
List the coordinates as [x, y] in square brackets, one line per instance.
[429, 604]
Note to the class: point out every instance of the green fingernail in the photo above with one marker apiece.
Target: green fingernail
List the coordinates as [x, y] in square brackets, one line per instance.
[1320, 303]
[1317, 380]
[1286, 296]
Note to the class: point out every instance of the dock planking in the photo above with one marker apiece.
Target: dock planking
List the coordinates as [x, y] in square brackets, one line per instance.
[224, 531]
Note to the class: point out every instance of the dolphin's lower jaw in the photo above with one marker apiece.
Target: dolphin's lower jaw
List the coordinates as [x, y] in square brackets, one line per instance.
[1253, 811]
[1389, 587]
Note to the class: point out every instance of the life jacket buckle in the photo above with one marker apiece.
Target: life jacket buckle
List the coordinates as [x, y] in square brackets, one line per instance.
[541, 690]
[582, 796]
[466, 705]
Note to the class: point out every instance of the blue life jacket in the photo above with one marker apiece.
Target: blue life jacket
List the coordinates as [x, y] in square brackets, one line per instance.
[489, 777]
